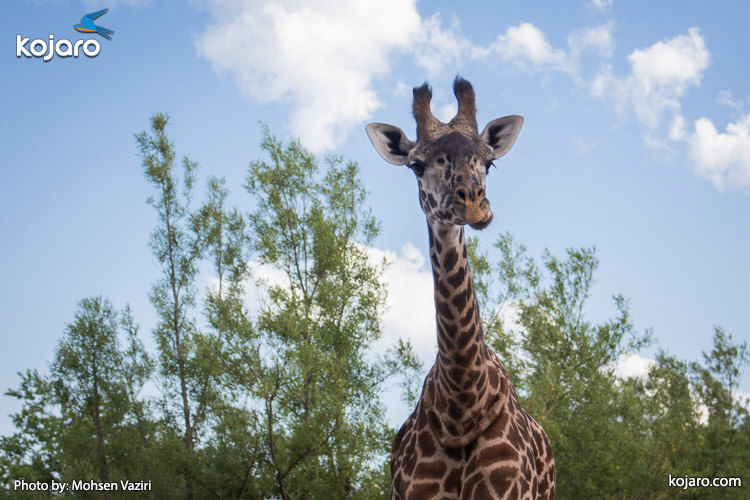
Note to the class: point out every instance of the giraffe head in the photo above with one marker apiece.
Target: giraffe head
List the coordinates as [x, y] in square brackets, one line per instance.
[450, 160]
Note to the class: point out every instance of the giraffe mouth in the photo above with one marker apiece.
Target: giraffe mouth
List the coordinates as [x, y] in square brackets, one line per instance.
[483, 222]
[477, 214]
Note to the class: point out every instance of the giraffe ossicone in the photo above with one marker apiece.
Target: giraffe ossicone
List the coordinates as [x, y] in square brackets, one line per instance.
[469, 437]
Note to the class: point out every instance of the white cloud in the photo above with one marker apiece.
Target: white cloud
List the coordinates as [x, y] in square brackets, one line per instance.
[510, 314]
[726, 98]
[677, 131]
[633, 366]
[411, 304]
[527, 47]
[598, 39]
[445, 112]
[524, 46]
[321, 58]
[438, 47]
[722, 157]
[666, 69]
[607, 86]
[657, 144]
[402, 89]
[601, 5]
[659, 77]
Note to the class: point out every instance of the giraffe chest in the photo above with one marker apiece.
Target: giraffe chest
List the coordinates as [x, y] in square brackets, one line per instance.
[510, 459]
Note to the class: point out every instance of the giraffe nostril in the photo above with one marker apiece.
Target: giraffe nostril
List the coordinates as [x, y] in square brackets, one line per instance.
[461, 193]
[480, 193]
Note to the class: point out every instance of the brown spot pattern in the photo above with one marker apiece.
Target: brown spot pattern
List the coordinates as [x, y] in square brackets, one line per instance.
[468, 393]
[469, 437]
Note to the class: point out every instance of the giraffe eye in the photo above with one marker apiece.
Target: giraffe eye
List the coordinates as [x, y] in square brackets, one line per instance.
[490, 164]
[418, 167]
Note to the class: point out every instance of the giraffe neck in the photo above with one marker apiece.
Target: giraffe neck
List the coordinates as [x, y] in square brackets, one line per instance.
[460, 333]
[468, 383]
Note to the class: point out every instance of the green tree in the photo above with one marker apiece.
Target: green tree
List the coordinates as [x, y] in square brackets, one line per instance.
[401, 360]
[561, 364]
[228, 463]
[283, 400]
[312, 385]
[724, 440]
[33, 453]
[86, 419]
[685, 419]
[657, 425]
[612, 437]
[500, 287]
[188, 361]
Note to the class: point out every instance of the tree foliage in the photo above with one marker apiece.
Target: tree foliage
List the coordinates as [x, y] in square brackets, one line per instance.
[302, 363]
[613, 437]
[85, 420]
[280, 397]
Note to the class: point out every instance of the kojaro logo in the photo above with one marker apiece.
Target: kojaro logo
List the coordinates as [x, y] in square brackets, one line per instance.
[47, 49]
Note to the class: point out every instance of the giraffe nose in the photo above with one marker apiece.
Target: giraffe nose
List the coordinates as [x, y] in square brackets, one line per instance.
[470, 194]
[475, 207]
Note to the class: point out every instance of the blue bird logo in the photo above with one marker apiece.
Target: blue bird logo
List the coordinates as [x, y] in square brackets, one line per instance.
[87, 24]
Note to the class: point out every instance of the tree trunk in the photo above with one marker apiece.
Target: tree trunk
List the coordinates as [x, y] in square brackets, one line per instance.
[96, 417]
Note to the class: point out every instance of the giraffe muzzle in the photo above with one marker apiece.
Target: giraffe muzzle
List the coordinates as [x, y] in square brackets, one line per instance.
[477, 213]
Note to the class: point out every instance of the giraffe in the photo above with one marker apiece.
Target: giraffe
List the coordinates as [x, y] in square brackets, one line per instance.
[469, 437]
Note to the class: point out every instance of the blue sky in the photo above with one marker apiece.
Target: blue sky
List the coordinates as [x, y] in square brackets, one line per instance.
[636, 141]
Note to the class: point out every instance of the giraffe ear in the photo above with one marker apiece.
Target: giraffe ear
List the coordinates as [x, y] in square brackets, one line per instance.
[390, 142]
[500, 134]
